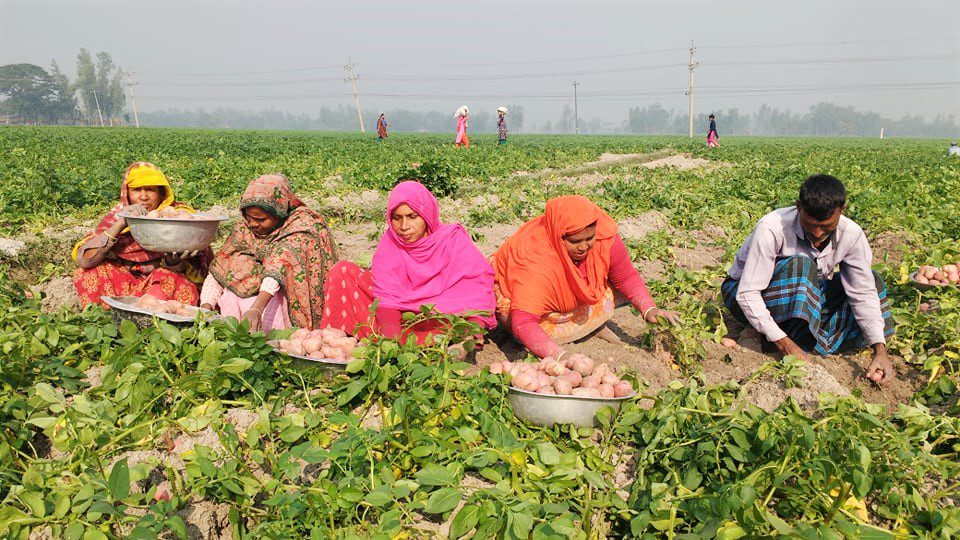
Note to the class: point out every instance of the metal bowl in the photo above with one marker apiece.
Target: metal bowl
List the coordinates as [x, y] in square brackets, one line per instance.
[924, 286]
[126, 308]
[173, 235]
[549, 409]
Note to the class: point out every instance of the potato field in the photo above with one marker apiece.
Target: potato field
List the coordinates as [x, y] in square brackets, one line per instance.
[204, 431]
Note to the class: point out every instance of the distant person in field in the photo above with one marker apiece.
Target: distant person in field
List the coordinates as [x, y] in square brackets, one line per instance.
[559, 278]
[713, 138]
[112, 263]
[382, 127]
[784, 285]
[418, 261]
[462, 114]
[501, 125]
[954, 150]
[272, 268]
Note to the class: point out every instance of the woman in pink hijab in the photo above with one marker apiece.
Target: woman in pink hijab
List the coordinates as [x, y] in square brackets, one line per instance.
[419, 261]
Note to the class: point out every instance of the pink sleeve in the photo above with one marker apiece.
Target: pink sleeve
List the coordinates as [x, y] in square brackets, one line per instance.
[526, 328]
[625, 278]
[388, 321]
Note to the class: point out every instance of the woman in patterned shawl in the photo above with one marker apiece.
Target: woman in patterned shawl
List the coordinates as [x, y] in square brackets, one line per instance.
[112, 263]
[272, 268]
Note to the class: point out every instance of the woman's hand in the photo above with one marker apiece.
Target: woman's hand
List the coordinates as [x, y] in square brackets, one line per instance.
[654, 315]
[253, 315]
[174, 258]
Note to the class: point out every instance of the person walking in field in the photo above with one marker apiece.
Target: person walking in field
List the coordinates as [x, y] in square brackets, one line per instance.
[462, 140]
[784, 285]
[954, 150]
[713, 139]
[382, 127]
[501, 125]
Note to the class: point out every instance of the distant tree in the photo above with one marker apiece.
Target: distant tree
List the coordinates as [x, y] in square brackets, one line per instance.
[65, 106]
[33, 94]
[99, 82]
[565, 124]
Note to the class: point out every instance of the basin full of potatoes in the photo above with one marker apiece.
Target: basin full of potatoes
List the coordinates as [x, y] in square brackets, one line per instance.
[948, 274]
[323, 345]
[570, 391]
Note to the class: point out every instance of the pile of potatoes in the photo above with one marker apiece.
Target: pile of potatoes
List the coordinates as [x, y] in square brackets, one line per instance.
[931, 275]
[170, 212]
[173, 307]
[328, 344]
[576, 375]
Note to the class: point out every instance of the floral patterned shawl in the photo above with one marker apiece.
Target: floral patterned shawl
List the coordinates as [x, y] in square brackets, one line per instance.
[298, 254]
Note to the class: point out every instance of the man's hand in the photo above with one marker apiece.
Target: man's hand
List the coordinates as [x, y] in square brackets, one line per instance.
[786, 346]
[881, 369]
[654, 315]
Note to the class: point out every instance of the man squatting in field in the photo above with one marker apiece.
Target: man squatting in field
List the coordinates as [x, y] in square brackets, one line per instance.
[784, 281]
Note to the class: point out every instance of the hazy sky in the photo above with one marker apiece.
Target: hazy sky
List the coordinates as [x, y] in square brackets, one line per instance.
[893, 57]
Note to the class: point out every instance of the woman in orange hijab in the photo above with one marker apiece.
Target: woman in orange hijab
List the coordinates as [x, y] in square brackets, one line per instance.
[555, 277]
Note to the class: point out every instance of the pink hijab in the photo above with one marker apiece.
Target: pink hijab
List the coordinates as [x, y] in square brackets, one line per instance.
[443, 268]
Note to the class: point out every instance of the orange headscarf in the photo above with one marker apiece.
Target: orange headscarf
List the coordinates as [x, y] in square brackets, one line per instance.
[534, 270]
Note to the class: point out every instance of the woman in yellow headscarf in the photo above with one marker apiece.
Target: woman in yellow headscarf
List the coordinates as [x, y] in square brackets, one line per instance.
[112, 263]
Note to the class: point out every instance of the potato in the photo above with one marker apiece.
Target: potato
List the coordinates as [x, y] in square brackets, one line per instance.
[939, 276]
[300, 334]
[332, 333]
[331, 352]
[600, 370]
[555, 368]
[543, 379]
[546, 389]
[622, 389]
[153, 214]
[283, 344]
[610, 378]
[728, 342]
[605, 390]
[524, 380]
[317, 354]
[296, 347]
[573, 378]
[496, 368]
[585, 392]
[590, 381]
[582, 365]
[312, 345]
[921, 279]
[562, 386]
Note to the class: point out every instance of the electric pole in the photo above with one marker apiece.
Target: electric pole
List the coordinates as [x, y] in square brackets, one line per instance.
[693, 65]
[97, 99]
[130, 85]
[576, 114]
[352, 79]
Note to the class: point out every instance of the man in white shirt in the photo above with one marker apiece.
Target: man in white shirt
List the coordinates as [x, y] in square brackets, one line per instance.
[785, 281]
[954, 150]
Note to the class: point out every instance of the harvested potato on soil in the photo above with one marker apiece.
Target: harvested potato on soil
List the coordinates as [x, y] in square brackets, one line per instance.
[576, 375]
